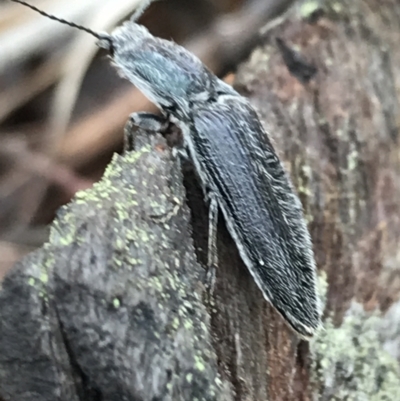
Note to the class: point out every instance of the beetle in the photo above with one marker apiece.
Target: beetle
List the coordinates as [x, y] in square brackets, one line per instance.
[238, 168]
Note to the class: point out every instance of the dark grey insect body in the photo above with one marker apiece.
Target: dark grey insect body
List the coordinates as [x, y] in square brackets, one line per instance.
[237, 165]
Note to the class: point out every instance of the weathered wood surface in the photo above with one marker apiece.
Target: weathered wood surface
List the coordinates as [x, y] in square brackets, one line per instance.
[112, 308]
[338, 135]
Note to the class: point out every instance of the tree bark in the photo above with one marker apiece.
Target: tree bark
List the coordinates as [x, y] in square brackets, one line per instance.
[109, 308]
[112, 307]
[337, 131]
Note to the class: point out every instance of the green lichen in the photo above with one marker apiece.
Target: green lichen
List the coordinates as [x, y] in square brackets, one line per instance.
[175, 323]
[44, 276]
[43, 295]
[63, 234]
[352, 160]
[350, 364]
[64, 229]
[337, 6]
[199, 363]
[189, 378]
[309, 7]
[188, 325]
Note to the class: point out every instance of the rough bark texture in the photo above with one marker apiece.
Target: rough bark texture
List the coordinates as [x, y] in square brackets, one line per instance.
[112, 309]
[338, 135]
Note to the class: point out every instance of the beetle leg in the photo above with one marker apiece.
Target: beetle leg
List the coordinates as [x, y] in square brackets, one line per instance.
[151, 123]
[181, 152]
[212, 252]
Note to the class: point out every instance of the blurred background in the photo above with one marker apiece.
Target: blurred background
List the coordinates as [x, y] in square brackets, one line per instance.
[63, 106]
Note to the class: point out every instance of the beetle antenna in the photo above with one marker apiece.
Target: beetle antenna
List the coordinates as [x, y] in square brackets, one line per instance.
[61, 20]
